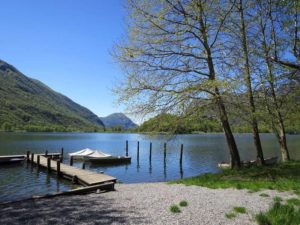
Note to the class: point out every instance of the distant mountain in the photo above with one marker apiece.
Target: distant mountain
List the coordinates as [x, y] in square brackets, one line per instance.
[29, 104]
[118, 119]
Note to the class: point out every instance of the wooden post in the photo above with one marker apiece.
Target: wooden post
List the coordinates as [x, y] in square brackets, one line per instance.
[61, 155]
[181, 153]
[126, 148]
[46, 153]
[32, 158]
[74, 179]
[48, 165]
[28, 153]
[38, 161]
[150, 152]
[83, 165]
[71, 161]
[58, 167]
[138, 150]
[165, 152]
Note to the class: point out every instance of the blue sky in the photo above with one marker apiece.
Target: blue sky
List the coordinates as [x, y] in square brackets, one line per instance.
[66, 44]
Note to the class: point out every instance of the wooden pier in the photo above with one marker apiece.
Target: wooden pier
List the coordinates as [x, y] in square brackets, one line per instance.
[52, 162]
[83, 177]
[6, 159]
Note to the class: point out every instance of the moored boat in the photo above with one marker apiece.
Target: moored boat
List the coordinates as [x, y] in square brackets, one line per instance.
[82, 153]
[95, 156]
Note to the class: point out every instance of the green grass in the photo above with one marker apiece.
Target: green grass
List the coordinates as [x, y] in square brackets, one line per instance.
[235, 211]
[280, 214]
[293, 201]
[264, 195]
[183, 203]
[241, 210]
[230, 215]
[277, 199]
[174, 209]
[281, 177]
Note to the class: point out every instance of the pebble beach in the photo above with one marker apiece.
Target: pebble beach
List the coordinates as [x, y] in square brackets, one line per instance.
[145, 203]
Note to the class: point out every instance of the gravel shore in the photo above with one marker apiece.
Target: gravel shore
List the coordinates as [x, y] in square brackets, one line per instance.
[147, 203]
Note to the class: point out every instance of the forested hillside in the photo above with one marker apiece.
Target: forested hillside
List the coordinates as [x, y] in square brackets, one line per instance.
[27, 104]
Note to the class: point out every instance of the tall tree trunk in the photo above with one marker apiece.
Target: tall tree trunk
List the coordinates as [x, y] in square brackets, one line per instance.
[255, 131]
[233, 150]
[234, 153]
[279, 128]
[278, 125]
[282, 141]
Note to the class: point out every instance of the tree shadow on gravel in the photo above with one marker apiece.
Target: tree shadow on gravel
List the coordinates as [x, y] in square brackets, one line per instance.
[89, 209]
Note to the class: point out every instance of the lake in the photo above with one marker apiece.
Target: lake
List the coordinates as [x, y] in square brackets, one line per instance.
[202, 153]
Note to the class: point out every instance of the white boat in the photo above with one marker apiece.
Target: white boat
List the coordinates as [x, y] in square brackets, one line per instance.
[82, 153]
[95, 156]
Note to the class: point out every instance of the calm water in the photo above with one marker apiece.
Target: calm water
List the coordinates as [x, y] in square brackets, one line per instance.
[201, 154]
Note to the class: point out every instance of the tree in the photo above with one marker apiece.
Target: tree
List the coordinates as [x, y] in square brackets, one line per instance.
[175, 54]
[248, 82]
[270, 23]
[291, 9]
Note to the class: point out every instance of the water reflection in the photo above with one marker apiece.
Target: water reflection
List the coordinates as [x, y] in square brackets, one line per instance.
[150, 161]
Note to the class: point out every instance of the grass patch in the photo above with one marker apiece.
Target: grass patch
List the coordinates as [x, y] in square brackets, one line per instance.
[241, 210]
[280, 214]
[264, 195]
[174, 209]
[277, 199]
[281, 177]
[183, 203]
[230, 215]
[293, 201]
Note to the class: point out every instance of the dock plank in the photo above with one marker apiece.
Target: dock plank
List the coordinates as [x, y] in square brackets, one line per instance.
[86, 177]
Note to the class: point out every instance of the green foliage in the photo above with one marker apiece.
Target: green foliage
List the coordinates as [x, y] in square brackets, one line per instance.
[183, 203]
[199, 123]
[175, 209]
[282, 177]
[175, 124]
[230, 215]
[6, 126]
[277, 199]
[239, 209]
[264, 195]
[294, 201]
[280, 214]
[233, 213]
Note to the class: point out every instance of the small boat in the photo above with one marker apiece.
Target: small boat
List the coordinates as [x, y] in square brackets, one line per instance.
[82, 153]
[268, 161]
[95, 156]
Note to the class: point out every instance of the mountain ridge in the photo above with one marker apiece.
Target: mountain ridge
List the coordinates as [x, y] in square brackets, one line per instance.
[118, 120]
[28, 103]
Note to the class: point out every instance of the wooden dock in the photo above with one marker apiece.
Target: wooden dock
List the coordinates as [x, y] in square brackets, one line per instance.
[84, 177]
[4, 159]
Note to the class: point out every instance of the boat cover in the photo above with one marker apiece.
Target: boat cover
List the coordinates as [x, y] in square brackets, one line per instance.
[83, 152]
[98, 154]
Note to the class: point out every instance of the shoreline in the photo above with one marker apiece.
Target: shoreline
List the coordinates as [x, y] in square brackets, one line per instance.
[142, 203]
